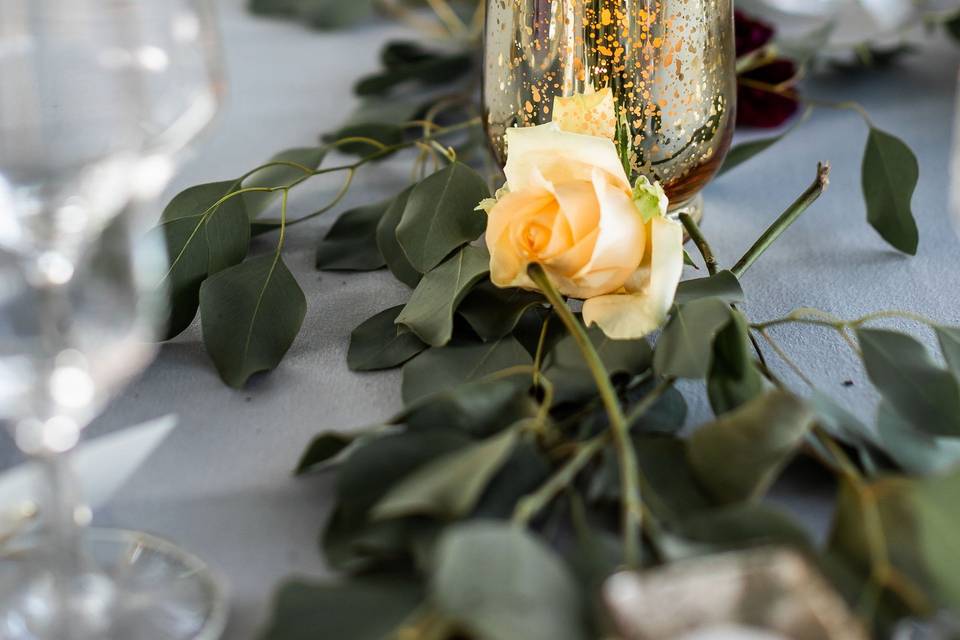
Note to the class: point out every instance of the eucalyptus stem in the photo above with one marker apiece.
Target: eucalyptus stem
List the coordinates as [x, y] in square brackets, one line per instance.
[629, 472]
[785, 220]
[698, 239]
[531, 505]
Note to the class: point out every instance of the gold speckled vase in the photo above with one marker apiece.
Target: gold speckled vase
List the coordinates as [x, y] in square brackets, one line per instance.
[670, 64]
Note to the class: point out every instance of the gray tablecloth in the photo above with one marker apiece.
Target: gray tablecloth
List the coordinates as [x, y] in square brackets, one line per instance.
[221, 484]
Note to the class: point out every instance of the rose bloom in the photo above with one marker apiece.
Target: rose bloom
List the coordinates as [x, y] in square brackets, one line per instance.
[568, 205]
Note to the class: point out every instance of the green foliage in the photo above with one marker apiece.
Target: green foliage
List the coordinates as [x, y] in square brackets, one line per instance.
[890, 174]
[443, 369]
[409, 62]
[441, 215]
[429, 314]
[306, 611]
[251, 314]
[379, 343]
[924, 394]
[738, 457]
[389, 246]
[493, 312]
[293, 162]
[734, 378]
[499, 581]
[322, 14]
[450, 486]
[685, 349]
[351, 243]
[202, 237]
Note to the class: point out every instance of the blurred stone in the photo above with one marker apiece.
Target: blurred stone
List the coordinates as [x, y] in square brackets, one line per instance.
[766, 594]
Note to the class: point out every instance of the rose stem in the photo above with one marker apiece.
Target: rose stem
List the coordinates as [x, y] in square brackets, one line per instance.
[698, 239]
[629, 472]
[785, 220]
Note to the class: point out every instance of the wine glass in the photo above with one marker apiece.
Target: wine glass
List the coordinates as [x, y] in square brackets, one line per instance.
[97, 100]
[669, 63]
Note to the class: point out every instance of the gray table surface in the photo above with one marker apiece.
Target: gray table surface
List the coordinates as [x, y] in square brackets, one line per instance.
[220, 485]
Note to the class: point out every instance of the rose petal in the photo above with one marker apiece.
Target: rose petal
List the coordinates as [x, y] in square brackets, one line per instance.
[565, 157]
[592, 114]
[638, 313]
[622, 232]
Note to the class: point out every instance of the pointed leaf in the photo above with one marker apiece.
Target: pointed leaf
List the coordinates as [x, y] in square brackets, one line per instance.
[448, 487]
[494, 312]
[389, 246]
[737, 457]
[498, 582]
[890, 174]
[379, 343]
[925, 395]
[570, 375]
[441, 215]
[949, 338]
[685, 347]
[723, 285]
[479, 408]
[351, 243]
[746, 150]
[307, 611]
[734, 378]
[441, 369]
[914, 451]
[429, 314]
[251, 314]
[323, 449]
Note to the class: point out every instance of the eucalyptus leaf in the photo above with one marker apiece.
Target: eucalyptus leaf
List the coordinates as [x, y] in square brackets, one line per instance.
[949, 338]
[900, 368]
[415, 65]
[441, 369]
[323, 449]
[570, 375]
[734, 378]
[379, 343]
[731, 528]
[429, 313]
[322, 14]
[913, 450]
[389, 246]
[907, 526]
[524, 472]
[668, 415]
[890, 174]
[351, 243]
[494, 312]
[307, 610]
[738, 456]
[685, 347]
[448, 487]
[499, 581]
[479, 408]
[441, 215]
[723, 285]
[251, 314]
[201, 239]
[350, 540]
[280, 176]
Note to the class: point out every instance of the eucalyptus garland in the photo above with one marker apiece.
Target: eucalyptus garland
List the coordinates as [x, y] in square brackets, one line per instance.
[534, 457]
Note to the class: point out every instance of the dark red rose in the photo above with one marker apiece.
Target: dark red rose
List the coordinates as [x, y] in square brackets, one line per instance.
[751, 34]
[761, 106]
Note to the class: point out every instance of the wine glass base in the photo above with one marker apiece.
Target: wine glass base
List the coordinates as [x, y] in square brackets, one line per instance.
[692, 207]
[142, 588]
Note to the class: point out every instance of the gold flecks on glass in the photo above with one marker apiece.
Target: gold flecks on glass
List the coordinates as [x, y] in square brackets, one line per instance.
[669, 63]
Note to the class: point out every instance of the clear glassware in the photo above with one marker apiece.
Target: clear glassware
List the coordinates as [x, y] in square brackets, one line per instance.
[670, 64]
[97, 100]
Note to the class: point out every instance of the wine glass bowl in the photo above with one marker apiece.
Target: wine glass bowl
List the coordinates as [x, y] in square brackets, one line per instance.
[669, 63]
[97, 100]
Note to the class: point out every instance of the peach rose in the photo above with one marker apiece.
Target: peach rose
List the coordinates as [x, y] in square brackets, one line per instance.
[568, 205]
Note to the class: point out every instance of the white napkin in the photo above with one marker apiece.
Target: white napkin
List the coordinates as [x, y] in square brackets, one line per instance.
[102, 465]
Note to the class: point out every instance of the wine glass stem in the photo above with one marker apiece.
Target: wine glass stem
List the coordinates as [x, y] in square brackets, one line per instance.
[63, 511]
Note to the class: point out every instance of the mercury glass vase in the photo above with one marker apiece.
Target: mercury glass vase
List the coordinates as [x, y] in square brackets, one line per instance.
[669, 63]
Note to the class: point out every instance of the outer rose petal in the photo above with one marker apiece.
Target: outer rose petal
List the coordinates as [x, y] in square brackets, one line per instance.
[593, 114]
[533, 152]
[637, 313]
